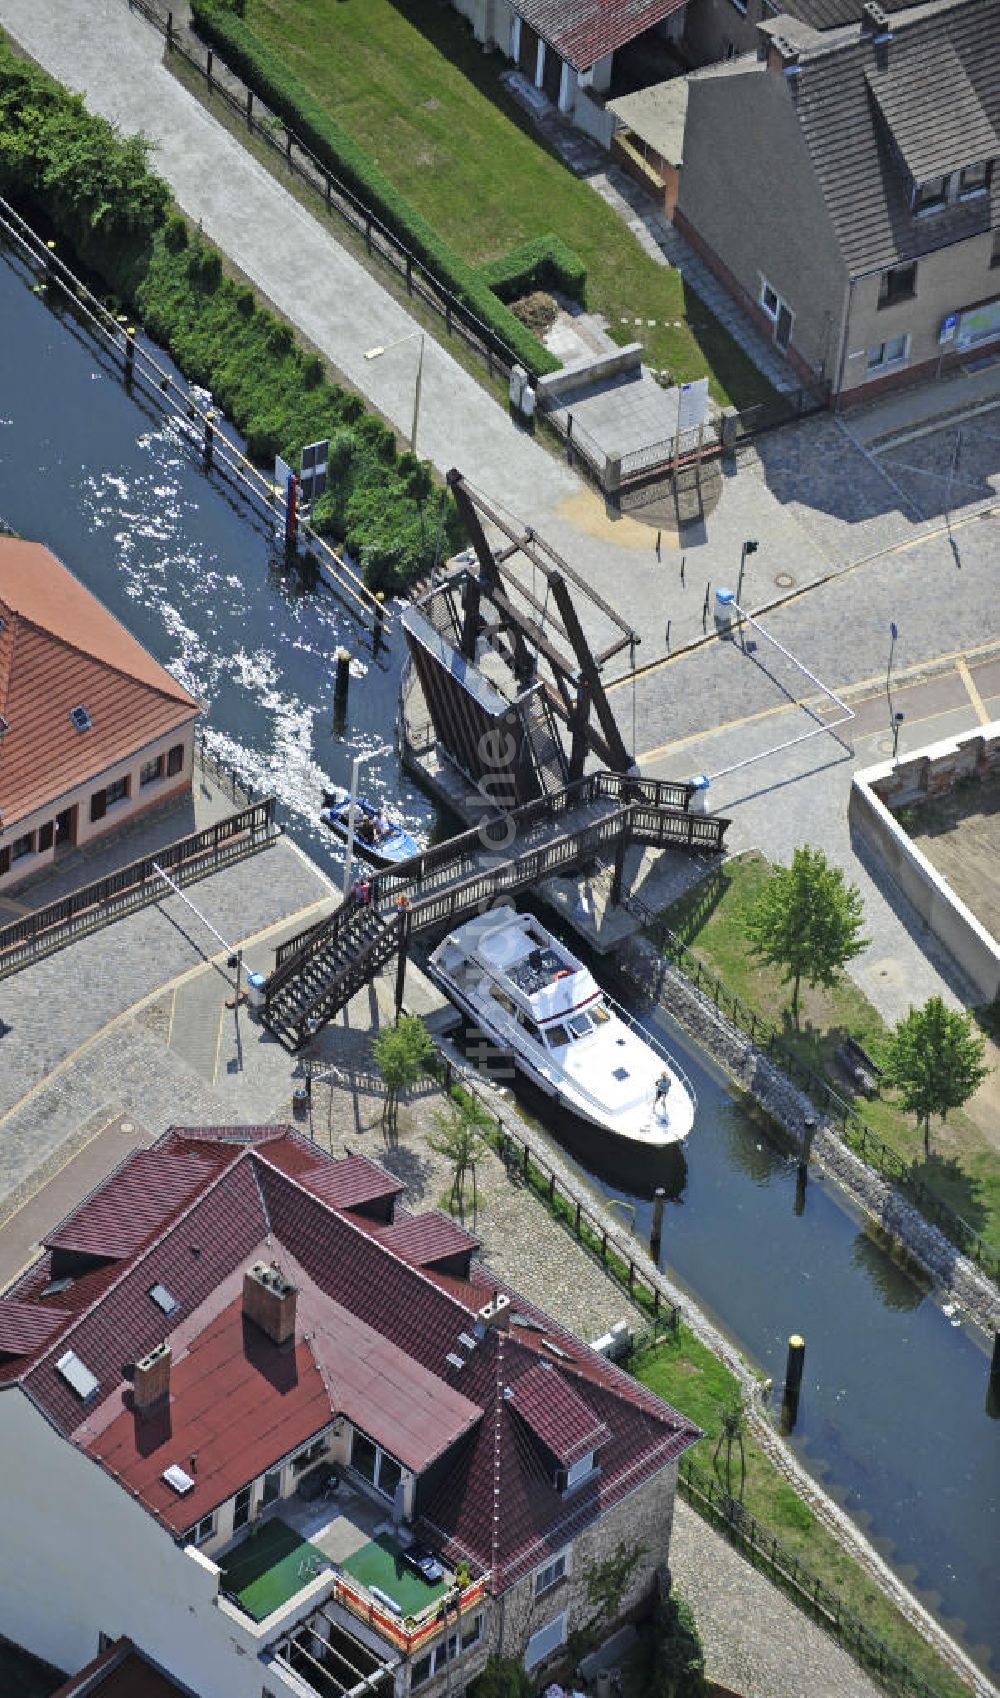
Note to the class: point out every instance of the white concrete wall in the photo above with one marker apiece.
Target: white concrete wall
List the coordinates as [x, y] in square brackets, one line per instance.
[78, 1557]
[140, 798]
[923, 772]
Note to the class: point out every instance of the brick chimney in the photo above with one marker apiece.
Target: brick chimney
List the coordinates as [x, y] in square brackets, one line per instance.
[874, 20]
[782, 55]
[496, 1313]
[151, 1385]
[269, 1301]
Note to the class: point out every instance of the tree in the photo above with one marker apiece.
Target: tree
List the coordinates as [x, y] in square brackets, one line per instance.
[732, 1424]
[807, 919]
[935, 1059]
[401, 1054]
[503, 1677]
[460, 1137]
[676, 1663]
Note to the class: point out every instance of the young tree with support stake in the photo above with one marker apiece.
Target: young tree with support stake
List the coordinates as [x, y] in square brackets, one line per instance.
[935, 1060]
[807, 919]
[401, 1053]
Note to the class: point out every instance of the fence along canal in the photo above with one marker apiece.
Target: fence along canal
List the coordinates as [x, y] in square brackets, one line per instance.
[195, 422]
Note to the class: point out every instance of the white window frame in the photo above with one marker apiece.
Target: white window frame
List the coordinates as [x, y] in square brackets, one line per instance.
[446, 1649]
[886, 362]
[766, 289]
[381, 1455]
[550, 1644]
[550, 1573]
[204, 1529]
[569, 1478]
[980, 188]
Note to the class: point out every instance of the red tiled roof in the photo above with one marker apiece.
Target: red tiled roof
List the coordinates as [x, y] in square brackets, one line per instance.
[60, 649]
[26, 1327]
[237, 1404]
[133, 1204]
[426, 1239]
[351, 1183]
[396, 1347]
[121, 1672]
[583, 31]
[554, 1412]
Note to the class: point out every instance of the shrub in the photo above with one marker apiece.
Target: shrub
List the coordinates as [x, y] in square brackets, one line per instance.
[311, 371]
[204, 267]
[175, 233]
[279, 337]
[545, 262]
[268, 75]
[246, 301]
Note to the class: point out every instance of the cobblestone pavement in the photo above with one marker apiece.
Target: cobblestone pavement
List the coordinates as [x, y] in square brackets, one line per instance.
[755, 1639]
[54, 1007]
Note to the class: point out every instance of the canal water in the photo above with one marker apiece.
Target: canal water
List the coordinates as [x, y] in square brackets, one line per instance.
[893, 1416]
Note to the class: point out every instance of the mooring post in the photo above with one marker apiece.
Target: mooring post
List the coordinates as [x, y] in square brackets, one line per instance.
[793, 1382]
[656, 1234]
[802, 1169]
[993, 1389]
[379, 619]
[129, 354]
[341, 683]
[50, 268]
[208, 446]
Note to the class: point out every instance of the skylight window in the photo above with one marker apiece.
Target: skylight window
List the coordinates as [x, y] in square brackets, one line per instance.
[175, 1476]
[77, 1375]
[81, 718]
[455, 1360]
[56, 1285]
[164, 1299]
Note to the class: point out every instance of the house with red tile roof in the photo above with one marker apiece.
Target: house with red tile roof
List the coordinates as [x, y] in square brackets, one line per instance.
[286, 1438]
[566, 49]
[92, 729]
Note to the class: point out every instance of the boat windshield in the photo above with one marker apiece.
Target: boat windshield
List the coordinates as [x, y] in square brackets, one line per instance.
[598, 1013]
[580, 1025]
[556, 1036]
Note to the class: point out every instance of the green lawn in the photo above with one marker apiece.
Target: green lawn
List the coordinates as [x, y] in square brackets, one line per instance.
[406, 79]
[270, 1566]
[380, 1564]
[964, 1168]
[690, 1378]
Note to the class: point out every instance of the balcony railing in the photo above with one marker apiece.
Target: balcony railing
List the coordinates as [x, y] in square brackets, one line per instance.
[407, 1639]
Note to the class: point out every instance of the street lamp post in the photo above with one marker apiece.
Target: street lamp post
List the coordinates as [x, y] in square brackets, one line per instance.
[352, 810]
[749, 547]
[376, 354]
[897, 720]
[893, 634]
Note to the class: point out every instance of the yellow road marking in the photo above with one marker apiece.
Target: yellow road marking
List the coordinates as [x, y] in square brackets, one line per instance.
[833, 576]
[854, 694]
[975, 698]
[209, 965]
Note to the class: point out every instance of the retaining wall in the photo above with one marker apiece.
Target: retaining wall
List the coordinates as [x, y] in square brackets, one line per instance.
[932, 771]
[560, 386]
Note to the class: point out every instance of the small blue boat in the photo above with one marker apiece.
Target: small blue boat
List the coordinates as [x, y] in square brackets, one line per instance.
[377, 838]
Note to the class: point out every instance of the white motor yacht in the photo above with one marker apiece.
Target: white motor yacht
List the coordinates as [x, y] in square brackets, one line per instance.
[533, 998]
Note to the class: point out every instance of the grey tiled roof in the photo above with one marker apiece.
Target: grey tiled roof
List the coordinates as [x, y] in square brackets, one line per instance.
[933, 111]
[864, 149]
[831, 14]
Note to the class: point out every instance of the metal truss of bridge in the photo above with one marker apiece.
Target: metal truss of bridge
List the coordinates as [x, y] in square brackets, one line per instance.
[317, 973]
[511, 680]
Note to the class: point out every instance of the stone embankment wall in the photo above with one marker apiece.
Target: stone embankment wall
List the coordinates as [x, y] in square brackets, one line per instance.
[953, 1272]
[787, 1106]
[934, 771]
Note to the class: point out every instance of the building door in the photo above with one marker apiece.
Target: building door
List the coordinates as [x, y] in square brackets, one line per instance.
[66, 828]
[552, 75]
[241, 1508]
[783, 327]
[528, 58]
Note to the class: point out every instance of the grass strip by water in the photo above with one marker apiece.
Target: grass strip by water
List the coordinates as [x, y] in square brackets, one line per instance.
[963, 1168]
[415, 91]
[682, 1370]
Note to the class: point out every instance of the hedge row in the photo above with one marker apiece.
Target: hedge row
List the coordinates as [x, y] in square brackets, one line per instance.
[268, 76]
[96, 189]
[544, 262]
